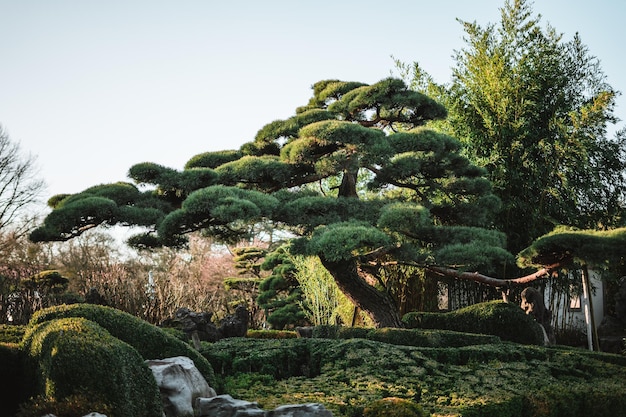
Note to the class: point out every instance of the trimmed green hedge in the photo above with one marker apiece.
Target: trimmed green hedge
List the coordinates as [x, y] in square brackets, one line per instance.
[75, 356]
[505, 320]
[271, 334]
[407, 337]
[150, 341]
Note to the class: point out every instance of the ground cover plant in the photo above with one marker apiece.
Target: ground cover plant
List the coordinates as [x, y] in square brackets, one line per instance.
[347, 375]
[407, 337]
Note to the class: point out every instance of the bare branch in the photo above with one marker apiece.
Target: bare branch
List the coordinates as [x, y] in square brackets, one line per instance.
[19, 185]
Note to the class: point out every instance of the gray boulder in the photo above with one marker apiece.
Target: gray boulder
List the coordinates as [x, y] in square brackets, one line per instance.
[180, 384]
[227, 406]
[199, 325]
[194, 323]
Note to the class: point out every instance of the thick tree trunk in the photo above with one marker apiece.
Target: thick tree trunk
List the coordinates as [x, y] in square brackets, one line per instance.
[347, 188]
[377, 304]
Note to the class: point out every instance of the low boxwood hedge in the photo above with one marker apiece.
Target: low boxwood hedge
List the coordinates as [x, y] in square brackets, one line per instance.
[505, 320]
[75, 356]
[271, 334]
[150, 341]
[407, 337]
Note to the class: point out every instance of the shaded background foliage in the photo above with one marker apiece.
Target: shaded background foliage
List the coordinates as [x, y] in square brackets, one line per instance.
[535, 110]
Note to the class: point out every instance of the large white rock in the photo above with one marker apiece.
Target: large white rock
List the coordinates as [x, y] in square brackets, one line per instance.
[227, 406]
[180, 383]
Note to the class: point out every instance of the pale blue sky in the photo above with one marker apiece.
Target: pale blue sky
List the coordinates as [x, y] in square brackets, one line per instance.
[92, 87]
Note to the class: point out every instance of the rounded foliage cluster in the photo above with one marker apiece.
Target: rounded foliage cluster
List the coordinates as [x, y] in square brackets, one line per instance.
[72, 356]
[394, 407]
[505, 320]
[150, 341]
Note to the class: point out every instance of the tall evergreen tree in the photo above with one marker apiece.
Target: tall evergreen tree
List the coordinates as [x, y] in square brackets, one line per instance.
[534, 110]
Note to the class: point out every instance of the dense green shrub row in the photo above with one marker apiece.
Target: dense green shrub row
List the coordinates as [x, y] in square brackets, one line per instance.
[505, 320]
[408, 337]
[73, 356]
[150, 341]
[347, 375]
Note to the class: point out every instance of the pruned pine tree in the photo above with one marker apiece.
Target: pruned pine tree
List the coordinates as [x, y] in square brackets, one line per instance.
[279, 293]
[427, 205]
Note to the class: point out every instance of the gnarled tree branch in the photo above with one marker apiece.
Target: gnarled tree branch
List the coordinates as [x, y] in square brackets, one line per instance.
[494, 282]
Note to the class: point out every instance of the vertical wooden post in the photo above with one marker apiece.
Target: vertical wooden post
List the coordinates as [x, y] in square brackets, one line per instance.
[592, 333]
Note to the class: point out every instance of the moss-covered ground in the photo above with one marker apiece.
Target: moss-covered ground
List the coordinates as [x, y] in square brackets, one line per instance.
[497, 379]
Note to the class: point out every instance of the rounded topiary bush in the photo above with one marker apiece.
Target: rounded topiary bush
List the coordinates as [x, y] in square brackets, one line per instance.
[394, 407]
[74, 356]
[150, 341]
[505, 320]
